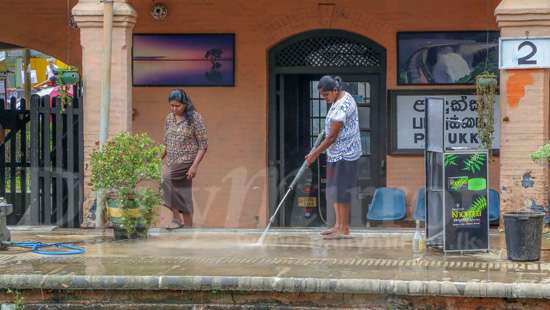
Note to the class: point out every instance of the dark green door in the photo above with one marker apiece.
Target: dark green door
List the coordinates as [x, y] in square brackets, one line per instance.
[296, 115]
[301, 121]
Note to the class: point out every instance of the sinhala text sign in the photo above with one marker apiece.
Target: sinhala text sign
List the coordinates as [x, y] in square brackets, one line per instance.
[461, 127]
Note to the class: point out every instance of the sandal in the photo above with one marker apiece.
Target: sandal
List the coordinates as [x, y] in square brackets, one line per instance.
[328, 231]
[336, 236]
[333, 236]
[176, 224]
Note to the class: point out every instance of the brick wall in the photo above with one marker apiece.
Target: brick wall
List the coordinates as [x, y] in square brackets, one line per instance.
[230, 189]
[231, 186]
[524, 130]
[43, 26]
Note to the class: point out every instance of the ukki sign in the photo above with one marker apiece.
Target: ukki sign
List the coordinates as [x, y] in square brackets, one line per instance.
[460, 121]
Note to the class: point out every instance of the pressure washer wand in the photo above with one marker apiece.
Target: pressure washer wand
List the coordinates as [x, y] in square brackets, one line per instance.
[297, 177]
[290, 188]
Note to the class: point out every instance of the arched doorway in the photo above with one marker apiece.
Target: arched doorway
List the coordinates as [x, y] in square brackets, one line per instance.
[296, 116]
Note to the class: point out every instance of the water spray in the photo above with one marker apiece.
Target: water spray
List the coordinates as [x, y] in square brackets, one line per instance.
[290, 188]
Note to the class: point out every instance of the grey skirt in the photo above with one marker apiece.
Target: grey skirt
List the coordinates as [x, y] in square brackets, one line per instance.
[177, 189]
[341, 180]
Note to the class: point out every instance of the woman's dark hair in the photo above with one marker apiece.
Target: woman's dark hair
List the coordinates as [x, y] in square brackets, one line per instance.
[181, 96]
[329, 83]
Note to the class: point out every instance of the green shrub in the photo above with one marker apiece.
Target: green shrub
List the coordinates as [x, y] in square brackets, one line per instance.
[119, 167]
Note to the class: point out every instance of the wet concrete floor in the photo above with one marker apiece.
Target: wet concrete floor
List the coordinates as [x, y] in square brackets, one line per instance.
[379, 254]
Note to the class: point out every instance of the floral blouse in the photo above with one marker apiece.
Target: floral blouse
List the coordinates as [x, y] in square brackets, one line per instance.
[183, 139]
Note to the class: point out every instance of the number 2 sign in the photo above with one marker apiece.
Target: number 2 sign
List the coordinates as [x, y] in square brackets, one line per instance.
[517, 53]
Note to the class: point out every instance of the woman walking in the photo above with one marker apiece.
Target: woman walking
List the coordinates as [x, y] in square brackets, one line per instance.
[186, 141]
[343, 146]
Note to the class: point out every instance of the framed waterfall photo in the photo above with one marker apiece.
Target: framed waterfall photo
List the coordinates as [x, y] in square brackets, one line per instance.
[445, 57]
[183, 60]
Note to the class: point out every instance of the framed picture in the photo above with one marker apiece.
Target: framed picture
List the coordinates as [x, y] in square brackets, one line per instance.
[407, 124]
[3, 90]
[183, 60]
[445, 57]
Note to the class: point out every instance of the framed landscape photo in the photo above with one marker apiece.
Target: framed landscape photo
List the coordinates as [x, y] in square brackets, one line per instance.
[451, 57]
[183, 60]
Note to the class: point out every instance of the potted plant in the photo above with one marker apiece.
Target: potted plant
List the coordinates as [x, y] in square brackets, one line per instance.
[119, 171]
[486, 90]
[65, 78]
[523, 227]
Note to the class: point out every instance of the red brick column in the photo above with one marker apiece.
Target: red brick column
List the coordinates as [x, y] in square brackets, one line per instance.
[88, 15]
[524, 104]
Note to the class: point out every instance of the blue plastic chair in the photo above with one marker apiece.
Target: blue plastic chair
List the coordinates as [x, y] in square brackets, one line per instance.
[494, 206]
[388, 204]
[420, 209]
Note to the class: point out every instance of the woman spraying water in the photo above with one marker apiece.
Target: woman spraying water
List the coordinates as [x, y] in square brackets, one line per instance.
[343, 146]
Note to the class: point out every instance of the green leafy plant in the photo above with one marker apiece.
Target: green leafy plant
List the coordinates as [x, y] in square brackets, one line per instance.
[458, 183]
[474, 163]
[476, 208]
[65, 78]
[542, 154]
[65, 96]
[450, 160]
[18, 303]
[119, 167]
[486, 90]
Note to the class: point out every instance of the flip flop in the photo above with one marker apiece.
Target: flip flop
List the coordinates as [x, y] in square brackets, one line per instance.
[337, 236]
[179, 225]
[327, 232]
[333, 236]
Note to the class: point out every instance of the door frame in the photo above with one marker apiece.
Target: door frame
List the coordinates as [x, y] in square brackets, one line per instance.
[276, 76]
